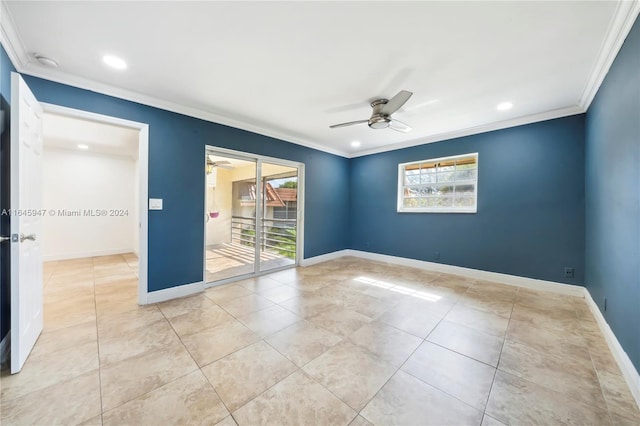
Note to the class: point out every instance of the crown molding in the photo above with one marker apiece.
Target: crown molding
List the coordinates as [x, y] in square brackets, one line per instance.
[519, 121]
[621, 23]
[623, 19]
[11, 39]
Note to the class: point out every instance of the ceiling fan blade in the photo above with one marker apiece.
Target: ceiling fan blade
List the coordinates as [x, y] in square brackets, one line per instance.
[399, 126]
[396, 102]
[351, 123]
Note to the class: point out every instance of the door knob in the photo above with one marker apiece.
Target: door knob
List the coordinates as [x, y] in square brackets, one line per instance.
[31, 237]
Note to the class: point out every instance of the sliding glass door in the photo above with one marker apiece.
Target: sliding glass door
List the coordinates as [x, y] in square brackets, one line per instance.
[252, 215]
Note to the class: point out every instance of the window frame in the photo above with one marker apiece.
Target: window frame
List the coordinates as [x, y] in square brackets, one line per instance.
[449, 209]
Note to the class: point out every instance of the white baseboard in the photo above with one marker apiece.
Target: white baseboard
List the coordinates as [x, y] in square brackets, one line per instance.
[624, 362]
[5, 347]
[174, 292]
[324, 257]
[80, 255]
[514, 280]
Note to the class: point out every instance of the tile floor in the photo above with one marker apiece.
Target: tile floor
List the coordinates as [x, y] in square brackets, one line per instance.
[344, 342]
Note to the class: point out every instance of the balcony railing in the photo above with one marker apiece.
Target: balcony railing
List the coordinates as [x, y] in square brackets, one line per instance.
[278, 235]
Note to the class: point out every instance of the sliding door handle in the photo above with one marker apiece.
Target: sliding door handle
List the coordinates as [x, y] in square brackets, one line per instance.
[3, 239]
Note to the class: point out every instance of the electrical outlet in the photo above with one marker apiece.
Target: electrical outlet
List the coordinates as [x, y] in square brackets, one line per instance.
[568, 272]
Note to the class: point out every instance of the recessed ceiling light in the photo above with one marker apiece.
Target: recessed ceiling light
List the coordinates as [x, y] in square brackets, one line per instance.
[355, 144]
[114, 62]
[47, 62]
[83, 146]
[503, 106]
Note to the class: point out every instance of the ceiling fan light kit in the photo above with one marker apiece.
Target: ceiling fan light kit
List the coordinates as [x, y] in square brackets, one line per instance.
[382, 111]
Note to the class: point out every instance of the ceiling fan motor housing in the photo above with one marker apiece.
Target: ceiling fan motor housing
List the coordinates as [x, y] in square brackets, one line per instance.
[379, 120]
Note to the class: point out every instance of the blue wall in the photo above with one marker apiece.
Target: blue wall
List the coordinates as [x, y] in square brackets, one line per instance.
[613, 197]
[530, 219]
[6, 67]
[176, 174]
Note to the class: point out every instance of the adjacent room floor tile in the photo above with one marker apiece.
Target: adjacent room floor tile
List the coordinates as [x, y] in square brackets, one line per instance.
[389, 343]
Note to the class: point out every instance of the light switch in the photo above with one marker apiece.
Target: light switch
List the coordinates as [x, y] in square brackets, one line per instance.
[155, 203]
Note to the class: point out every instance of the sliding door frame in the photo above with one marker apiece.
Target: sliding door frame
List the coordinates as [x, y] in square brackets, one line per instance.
[259, 159]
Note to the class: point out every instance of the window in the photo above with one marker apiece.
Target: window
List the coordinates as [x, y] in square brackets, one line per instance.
[439, 185]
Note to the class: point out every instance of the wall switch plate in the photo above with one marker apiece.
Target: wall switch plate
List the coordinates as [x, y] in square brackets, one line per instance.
[155, 203]
[568, 272]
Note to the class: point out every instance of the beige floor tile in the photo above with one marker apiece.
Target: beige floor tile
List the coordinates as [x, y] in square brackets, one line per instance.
[498, 307]
[281, 293]
[217, 342]
[187, 400]
[557, 320]
[517, 401]
[260, 284]
[549, 301]
[351, 373]
[549, 340]
[183, 305]
[416, 322]
[199, 319]
[306, 307]
[133, 377]
[245, 305]
[134, 342]
[227, 292]
[460, 376]
[72, 311]
[484, 321]
[619, 397]
[360, 421]
[116, 325]
[61, 293]
[46, 369]
[68, 402]
[389, 343]
[65, 338]
[467, 341]
[94, 421]
[118, 304]
[340, 321]
[490, 421]
[405, 400]
[295, 401]
[488, 290]
[369, 306]
[243, 375]
[227, 421]
[269, 320]
[302, 342]
[571, 376]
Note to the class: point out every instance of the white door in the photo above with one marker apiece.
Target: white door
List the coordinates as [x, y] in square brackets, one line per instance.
[26, 205]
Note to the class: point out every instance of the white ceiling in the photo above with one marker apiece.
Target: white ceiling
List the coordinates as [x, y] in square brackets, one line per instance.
[67, 133]
[290, 70]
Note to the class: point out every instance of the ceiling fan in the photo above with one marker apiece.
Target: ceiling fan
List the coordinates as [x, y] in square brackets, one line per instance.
[224, 164]
[382, 110]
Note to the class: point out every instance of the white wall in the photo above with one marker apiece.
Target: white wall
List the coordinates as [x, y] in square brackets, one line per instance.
[78, 180]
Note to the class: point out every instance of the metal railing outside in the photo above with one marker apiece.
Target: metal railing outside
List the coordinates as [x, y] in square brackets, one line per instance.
[279, 235]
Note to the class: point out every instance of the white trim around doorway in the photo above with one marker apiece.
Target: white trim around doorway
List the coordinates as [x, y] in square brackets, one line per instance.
[143, 182]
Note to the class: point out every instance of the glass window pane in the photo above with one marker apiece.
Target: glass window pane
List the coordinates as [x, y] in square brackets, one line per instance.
[465, 174]
[465, 189]
[412, 177]
[464, 201]
[410, 203]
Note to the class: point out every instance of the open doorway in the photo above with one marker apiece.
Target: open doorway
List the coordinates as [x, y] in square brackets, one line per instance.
[94, 189]
[253, 217]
